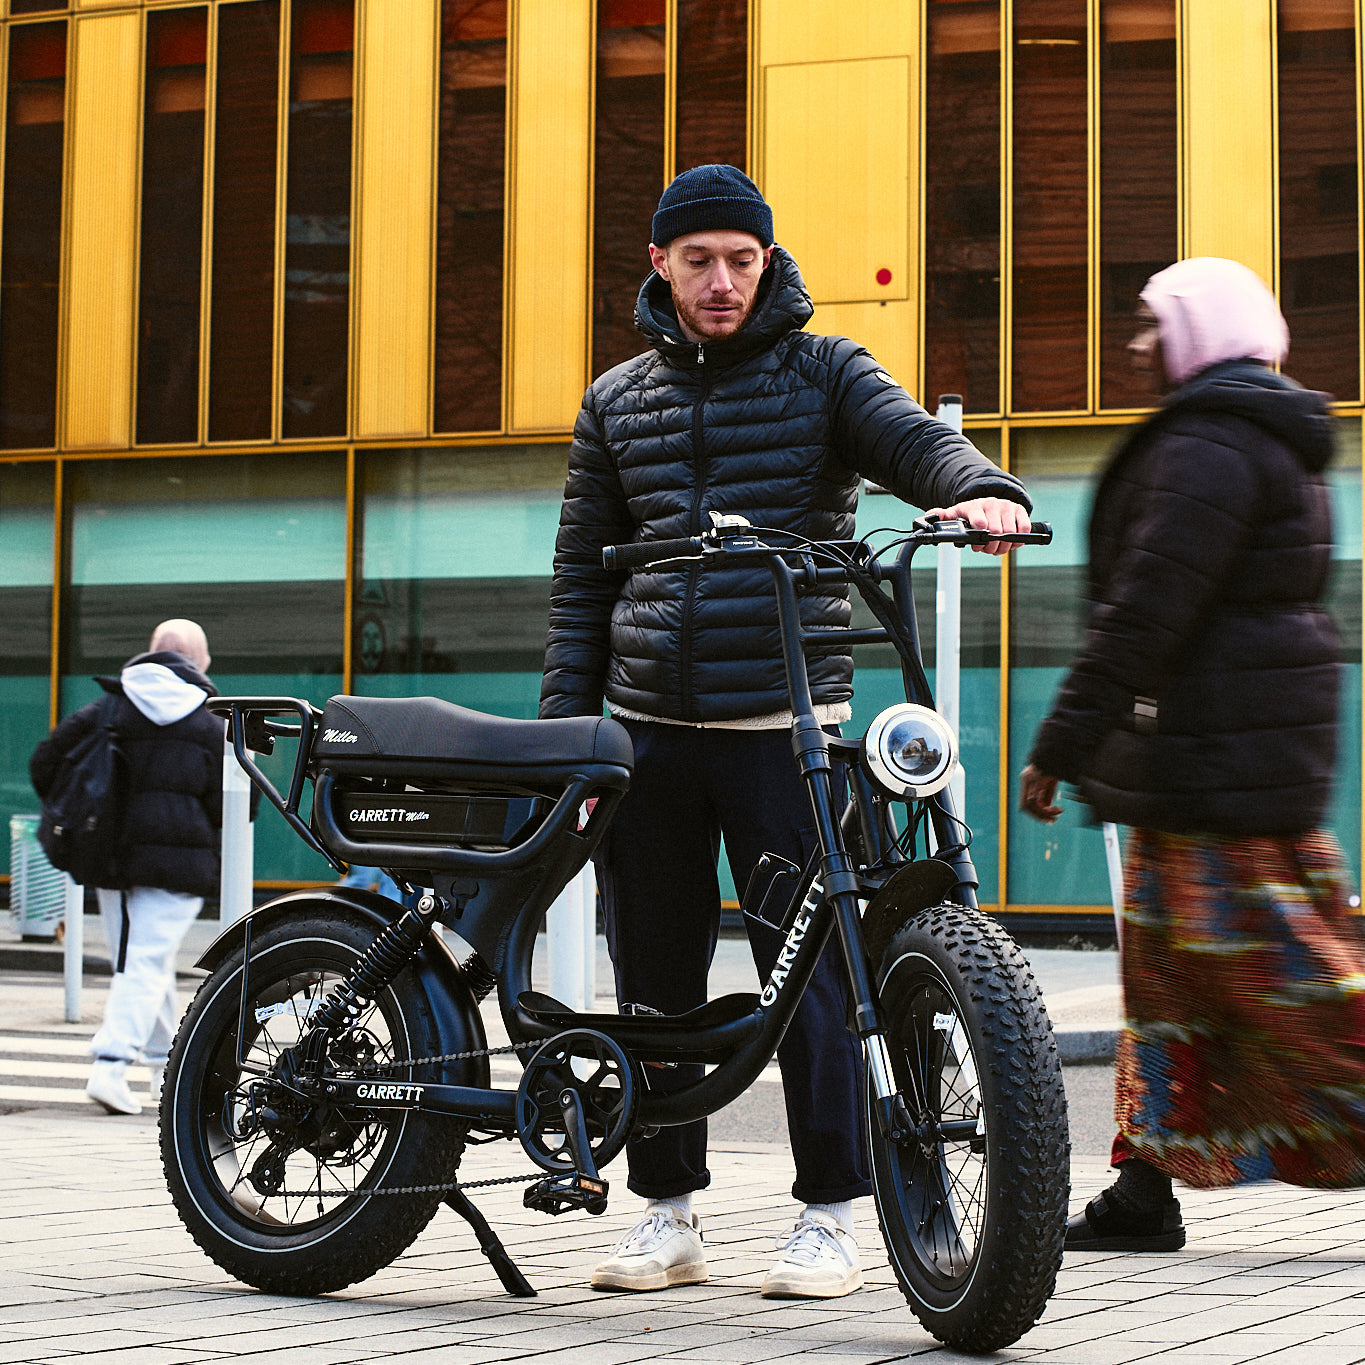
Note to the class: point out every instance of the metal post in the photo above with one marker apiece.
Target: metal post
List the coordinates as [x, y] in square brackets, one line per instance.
[73, 947]
[571, 929]
[1114, 860]
[234, 894]
[948, 623]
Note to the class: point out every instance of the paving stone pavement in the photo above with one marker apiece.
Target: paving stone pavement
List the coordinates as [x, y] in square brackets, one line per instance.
[94, 1264]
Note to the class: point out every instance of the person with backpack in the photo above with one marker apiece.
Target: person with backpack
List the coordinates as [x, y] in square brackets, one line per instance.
[162, 798]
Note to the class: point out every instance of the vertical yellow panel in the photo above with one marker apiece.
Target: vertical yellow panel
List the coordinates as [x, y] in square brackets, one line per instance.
[101, 265]
[395, 223]
[839, 186]
[1229, 127]
[551, 187]
[839, 135]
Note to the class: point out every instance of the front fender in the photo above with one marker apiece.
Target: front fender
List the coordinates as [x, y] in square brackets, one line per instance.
[452, 1001]
[915, 887]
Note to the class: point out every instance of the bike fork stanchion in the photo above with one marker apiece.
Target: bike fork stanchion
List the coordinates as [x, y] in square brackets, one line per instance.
[73, 948]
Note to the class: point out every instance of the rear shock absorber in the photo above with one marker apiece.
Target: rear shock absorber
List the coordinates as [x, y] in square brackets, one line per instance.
[392, 950]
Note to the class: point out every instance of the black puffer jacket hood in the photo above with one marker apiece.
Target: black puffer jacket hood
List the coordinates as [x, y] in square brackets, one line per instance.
[1243, 388]
[783, 305]
[1204, 696]
[773, 424]
[170, 830]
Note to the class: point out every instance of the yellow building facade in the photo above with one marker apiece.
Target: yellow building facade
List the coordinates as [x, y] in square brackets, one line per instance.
[298, 299]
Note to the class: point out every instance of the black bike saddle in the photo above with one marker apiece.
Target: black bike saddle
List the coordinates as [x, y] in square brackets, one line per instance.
[358, 731]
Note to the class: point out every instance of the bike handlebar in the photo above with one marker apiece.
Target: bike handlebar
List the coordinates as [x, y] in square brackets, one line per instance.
[923, 532]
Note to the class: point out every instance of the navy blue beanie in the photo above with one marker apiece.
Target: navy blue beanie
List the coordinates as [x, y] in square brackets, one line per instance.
[707, 198]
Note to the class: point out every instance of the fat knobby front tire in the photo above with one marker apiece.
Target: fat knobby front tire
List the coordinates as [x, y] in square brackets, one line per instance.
[973, 1207]
[285, 1195]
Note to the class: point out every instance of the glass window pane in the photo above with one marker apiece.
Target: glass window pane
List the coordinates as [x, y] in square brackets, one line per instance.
[31, 248]
[242, 333]
[172, 226]
[712, 82]
[35, 6]
[1319, 175]
[1138, 211]
[628, 171]
[454, 558]
[317, 260]
[1050, 290]
[1061, 864]
[250, 546]
[26, 510]
[962, 203]
[469, 209]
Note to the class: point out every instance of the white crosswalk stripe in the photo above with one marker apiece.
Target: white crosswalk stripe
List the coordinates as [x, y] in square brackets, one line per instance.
[44, 1069]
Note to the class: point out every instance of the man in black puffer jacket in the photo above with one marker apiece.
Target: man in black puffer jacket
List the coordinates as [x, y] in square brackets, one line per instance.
[734, 410]
[169, 845]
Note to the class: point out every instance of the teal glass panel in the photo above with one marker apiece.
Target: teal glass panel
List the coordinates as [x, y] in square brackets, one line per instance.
[26, 502]
[250, 546]
[455, 549]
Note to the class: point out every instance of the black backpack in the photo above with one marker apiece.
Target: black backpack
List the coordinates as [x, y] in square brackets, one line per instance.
[83, 810]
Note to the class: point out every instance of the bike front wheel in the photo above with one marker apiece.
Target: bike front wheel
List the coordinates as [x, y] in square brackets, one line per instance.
[973, 1206]
[288, 1196]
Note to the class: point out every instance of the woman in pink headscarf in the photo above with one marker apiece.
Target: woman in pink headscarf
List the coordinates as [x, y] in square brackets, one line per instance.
[1201, 711]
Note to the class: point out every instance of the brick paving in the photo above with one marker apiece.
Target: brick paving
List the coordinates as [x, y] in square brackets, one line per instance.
[94, 1264]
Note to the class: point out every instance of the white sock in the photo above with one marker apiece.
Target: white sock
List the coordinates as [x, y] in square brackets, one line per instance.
[681, 1202]
[842, 1213]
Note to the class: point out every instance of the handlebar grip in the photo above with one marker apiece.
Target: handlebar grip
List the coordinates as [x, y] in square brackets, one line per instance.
[649, 552]
[1040, 534]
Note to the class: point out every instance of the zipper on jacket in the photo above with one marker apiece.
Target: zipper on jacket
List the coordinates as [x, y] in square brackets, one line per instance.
[694, 528]
[701, 353]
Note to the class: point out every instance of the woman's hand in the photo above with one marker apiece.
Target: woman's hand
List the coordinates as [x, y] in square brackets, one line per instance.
[1038, 795]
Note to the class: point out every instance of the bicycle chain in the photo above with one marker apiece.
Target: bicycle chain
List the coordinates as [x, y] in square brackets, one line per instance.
[425, 1189]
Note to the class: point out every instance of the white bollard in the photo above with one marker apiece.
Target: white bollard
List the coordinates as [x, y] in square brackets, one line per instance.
[239, 854]
[73, 948]
[571, 931]
[948, 626]
[1114, 859]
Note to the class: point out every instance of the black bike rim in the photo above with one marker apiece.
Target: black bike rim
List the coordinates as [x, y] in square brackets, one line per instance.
[937, 1183]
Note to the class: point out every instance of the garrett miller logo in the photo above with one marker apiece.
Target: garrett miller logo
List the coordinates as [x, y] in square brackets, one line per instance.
[402, 1094]
[339, 737]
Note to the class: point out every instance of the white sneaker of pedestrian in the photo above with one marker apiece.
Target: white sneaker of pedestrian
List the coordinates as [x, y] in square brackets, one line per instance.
[818, 1260]
[108, 1087]
[154, 1088]
[661, 1250]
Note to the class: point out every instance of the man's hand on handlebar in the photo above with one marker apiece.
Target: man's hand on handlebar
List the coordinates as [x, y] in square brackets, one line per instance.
[987, 514]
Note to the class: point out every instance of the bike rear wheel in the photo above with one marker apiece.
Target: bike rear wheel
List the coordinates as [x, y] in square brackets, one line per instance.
[973, 1208]
[287, 1196]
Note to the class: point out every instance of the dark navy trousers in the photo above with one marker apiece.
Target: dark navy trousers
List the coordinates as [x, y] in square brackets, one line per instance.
[661, 899]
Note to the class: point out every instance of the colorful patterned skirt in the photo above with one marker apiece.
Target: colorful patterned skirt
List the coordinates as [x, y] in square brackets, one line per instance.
[1243, 1054]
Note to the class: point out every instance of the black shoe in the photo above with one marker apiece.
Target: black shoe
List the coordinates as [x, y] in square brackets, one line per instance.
[1106, 1225]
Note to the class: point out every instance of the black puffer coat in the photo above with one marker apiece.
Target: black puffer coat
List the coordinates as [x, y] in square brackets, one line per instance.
[1210, 543]
[774, 424]
[170, 833]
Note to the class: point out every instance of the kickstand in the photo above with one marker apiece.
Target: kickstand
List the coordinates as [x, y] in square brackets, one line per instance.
[513, 1281]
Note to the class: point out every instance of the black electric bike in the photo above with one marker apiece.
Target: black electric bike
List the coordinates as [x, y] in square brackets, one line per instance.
[333, 1065]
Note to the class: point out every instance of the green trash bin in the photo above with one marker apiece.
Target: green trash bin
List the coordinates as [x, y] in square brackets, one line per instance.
[37, 891]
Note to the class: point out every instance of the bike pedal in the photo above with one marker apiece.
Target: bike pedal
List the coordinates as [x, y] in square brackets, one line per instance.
[558, 1194]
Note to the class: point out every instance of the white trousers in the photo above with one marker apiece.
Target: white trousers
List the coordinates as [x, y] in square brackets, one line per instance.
[142, 1012]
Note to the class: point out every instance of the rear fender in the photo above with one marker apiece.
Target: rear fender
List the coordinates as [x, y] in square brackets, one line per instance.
[452, 1001]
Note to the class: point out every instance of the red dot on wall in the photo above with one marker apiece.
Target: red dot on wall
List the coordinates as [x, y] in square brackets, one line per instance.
[883, 276]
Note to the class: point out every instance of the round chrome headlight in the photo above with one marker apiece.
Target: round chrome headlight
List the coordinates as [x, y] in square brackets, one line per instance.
[910, 751]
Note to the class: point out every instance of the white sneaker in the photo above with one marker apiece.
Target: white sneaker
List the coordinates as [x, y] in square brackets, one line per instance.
[154, 1087]
[108, 1087]
[661, 1250]
[819, 1260]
